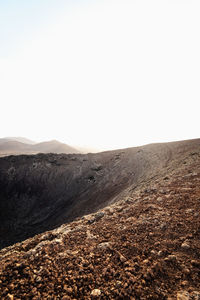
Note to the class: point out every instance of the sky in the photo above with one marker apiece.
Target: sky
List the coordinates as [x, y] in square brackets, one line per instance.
[104, 74]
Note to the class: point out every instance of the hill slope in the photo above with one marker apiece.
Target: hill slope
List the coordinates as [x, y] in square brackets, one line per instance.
[53, 147]
[144, 246]
[42, 191]
[3, 140]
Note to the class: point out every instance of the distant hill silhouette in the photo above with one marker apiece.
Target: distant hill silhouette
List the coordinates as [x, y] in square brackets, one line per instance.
[87, 149]
[4, 140]
[21, 140]
[15, 146]
[53, 147]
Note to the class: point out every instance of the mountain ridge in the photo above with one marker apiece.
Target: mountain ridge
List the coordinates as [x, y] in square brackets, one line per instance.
[16, 146]
[21, 139]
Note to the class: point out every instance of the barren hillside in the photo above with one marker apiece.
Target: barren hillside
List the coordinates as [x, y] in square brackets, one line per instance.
[142, 243]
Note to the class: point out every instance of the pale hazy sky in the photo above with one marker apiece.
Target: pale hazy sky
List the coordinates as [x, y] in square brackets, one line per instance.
[107, 74]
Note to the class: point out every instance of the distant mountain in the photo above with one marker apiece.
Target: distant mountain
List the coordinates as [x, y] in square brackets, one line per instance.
[3, 140]
[14, 146]
[53, 147]
[21, 140]
[86, 149]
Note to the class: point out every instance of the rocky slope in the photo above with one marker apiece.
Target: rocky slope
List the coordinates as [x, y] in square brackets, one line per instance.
[40, 192]
[145, 245]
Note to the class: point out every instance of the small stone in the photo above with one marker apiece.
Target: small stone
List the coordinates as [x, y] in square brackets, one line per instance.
[18, 265]
[69, 290]
[104, 245]
[184, 283]
[145, 261]
[186, 271]
[171, 258]
[122, 258]
[11, 286]
[159, 199]
[162, 191]
[189, 210]
[195, 295]
[183, 295]
[163, 226]
[185, 245]
[38, 279]
[149, 274]
[9, 297]
[96, 217]
[118, 283]
[195, 263]
[34, 290]
[96, 292]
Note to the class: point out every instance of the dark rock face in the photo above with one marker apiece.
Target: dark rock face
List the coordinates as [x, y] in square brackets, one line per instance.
[40, 192]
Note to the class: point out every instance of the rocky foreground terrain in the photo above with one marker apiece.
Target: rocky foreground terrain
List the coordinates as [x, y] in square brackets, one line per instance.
[143, 243]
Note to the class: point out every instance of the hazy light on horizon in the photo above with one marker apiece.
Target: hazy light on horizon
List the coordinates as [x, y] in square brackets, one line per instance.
[106, 74]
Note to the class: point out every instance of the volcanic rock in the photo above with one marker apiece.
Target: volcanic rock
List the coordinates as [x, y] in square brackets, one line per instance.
[124, 254]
